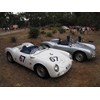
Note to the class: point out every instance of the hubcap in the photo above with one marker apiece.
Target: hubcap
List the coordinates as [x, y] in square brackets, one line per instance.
[41, 71]
[79, 57]
[9, 57]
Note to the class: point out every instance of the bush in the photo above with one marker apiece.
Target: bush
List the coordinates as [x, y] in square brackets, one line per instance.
[61, 30]
[54, 31]
[49, 34]
[13, 39]
[49, 28]
[42, 28]
[34, 33]
[43, 32]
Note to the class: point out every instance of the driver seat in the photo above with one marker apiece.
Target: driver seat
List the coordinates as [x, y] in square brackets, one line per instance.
[25, 50]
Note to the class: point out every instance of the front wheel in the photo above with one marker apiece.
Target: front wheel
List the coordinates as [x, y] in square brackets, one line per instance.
[9, 57]
[41, 71]
[80, 56]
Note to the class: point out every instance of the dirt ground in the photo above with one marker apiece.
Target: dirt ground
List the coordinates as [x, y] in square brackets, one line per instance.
[84, 74]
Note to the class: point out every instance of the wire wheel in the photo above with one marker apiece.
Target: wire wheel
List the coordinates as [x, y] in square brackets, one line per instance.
[80, 56]
[41, 71]
[10, 58]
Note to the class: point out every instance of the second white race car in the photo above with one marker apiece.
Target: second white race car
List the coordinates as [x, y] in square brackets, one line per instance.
[44, 61]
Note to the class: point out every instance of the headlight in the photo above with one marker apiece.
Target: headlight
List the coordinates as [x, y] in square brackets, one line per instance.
[56, 68]
[93, 53]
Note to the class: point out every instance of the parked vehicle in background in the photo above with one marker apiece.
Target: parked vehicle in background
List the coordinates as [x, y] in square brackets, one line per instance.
[79, 51]
[65, 28]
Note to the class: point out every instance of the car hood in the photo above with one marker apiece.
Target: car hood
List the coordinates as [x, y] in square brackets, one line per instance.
[53, 56]
[84, 46]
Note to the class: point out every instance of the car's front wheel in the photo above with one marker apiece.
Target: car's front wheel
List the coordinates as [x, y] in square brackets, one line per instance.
[9, 57]
[41, 71]
[80, 56]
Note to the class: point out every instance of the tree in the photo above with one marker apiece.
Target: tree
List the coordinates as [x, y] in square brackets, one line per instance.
[37, 19]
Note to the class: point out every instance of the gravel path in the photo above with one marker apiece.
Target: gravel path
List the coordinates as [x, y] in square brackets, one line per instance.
[81, 74]
[11, 32]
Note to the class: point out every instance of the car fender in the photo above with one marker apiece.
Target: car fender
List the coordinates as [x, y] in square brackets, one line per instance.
[49, 66]
[9, 50]
[90, 45]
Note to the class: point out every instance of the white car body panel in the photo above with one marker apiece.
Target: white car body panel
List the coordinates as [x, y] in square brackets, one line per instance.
[42, 57]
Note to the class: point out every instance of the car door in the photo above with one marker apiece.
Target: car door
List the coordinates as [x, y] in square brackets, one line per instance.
[63, 47]
[23, 59]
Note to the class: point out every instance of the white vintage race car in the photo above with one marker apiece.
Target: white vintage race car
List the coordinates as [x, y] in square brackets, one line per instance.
[44, 61]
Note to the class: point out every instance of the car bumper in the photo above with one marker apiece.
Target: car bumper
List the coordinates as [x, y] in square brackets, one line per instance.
[93, 55]
[64, 71]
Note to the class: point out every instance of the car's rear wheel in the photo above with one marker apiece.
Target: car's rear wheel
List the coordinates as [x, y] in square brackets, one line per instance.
[9, 57]
[80, 56]
[41, 71]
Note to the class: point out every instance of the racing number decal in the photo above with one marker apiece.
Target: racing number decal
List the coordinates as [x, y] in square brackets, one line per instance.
[53, 59]
[22, 58]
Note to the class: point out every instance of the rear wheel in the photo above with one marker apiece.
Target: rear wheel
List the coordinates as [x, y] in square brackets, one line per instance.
[41, 71]
[80, 56]
[9, 57]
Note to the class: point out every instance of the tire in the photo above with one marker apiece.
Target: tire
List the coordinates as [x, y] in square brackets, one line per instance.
[41, 71]
[9, 57]
[80, 56]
